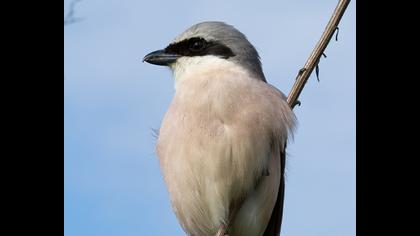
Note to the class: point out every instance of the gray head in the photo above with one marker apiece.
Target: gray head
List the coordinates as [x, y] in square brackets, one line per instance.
[211, 38]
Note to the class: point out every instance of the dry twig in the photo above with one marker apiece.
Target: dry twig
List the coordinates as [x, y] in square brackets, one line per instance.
[316, 54]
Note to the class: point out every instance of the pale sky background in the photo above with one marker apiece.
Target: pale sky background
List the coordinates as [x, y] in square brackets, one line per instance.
[113, 185]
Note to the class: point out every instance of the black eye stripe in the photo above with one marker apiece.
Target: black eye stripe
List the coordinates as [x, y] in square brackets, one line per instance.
[199, 47]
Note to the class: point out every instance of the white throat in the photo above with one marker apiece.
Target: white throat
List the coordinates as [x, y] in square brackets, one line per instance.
[207, 67]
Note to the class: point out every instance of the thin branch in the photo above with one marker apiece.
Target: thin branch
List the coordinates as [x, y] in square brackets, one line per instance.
[69, 18]
[316, 54]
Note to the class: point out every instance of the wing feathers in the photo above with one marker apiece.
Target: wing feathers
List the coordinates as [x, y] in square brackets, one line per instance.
[274, 225]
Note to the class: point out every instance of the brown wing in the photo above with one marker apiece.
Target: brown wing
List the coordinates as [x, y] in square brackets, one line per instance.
[274, 225]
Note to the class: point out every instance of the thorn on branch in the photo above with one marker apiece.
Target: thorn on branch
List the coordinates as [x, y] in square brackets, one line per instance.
[336, 34]
[325, 55]
[317, 71]
[301, 71]
[297, 102]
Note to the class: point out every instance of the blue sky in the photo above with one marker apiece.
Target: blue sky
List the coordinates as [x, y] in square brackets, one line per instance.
[113, 185]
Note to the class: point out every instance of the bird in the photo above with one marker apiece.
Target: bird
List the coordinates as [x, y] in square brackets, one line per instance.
[222, 143]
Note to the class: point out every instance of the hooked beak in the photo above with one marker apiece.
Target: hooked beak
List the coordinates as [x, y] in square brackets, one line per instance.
[161, 58]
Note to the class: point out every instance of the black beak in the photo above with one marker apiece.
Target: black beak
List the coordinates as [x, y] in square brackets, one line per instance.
[161, 58]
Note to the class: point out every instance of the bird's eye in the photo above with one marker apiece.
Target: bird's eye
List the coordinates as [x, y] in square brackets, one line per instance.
[197, 45]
